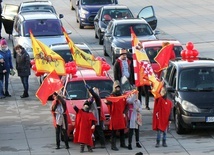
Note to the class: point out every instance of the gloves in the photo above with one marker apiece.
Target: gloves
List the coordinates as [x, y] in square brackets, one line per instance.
[87, 86]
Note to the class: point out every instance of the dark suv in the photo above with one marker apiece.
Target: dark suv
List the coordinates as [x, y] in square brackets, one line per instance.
[86, 10]
[190, 87]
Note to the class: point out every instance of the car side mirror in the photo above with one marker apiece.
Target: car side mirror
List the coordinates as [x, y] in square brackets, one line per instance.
[61, 16]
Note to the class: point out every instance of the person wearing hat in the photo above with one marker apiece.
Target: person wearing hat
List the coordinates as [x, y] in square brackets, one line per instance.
[123, 67]
[117, 107]
[84, 126]
[2, 71]
[60, 122]
[6, 53]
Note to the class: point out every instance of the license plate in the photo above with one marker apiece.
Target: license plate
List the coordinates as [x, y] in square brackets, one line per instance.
[210, 119]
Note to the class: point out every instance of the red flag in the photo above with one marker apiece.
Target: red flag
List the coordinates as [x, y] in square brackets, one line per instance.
[164, 55]
[50, 84]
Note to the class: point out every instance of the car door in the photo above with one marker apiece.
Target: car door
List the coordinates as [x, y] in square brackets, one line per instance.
[148, 14]
[8, 14]
[96, 21]
[109, 38]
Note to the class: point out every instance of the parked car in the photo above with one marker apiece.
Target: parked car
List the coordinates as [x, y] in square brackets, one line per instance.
[190, 87]
[64, 51]
[118, 35]
[45, 26]
[152, 47]
[109, 12]
[11, 10]
[87, 10]
[76, 93]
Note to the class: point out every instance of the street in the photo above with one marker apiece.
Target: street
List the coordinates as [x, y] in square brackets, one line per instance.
[26, 125]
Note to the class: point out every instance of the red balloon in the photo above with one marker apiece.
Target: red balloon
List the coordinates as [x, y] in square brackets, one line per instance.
[183, 54]
[189, 46]
[195, 52]
[32, 62]
[34, 67]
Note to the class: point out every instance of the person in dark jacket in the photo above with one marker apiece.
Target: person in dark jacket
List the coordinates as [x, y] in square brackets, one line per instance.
[0, 18]
[23, 67]
[59, 109]
[2, 71]
[6, 53]
[96, 108]
[123, 67]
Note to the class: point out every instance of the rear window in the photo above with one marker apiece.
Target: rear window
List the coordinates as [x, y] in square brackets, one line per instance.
[153, 51]
[116, 13]
[77, 91]
[38, 8]
[97, 2]
[42, 27]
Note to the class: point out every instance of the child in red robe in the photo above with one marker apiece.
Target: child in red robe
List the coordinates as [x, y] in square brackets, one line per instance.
[161, 117]
[84, 127]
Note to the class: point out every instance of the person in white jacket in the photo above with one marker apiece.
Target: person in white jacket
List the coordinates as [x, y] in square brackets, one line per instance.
[135, 118]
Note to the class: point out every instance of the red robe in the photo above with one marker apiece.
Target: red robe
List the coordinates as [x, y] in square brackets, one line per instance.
[161, 114]
[116, 111]
[83, 132]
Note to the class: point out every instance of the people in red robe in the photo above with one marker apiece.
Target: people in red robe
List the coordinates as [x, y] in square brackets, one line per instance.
[161, 117]
[84, 127]
[117, 105]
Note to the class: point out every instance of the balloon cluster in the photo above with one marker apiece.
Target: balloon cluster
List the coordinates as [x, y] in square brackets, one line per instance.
[105, 66]
[71, 68]
[190, 54]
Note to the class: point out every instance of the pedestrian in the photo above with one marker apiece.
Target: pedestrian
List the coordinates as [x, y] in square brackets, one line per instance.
[23, 67]
[2, 71]
[97, 110]
[0, 18]
[123, 66]
[6, 53]
[60, 121]
[134, 117]
[161, 117]
[84, 126]
[117, 110]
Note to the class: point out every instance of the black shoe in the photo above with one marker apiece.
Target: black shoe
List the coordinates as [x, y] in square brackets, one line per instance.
[7, 94]
[147, 107]
[2, 97]
[130, 147]
[24, 96]
[114, 148]
[138, 145]
[57, 147]
[123, 146]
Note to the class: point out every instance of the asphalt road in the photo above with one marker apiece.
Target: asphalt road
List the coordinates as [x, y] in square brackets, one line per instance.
[26, 126]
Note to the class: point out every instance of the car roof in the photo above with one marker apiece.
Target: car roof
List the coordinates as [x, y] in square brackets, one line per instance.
[38, 15]
[202, 62]
[87, 74]
[129, 20]
[31, 3]
[115, 7]
[152, 43]
[59, 46]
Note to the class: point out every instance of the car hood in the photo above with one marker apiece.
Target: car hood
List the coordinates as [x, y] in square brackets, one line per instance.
[125, 42]
[202, 99]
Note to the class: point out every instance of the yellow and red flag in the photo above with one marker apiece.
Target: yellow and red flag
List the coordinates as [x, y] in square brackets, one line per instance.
[164, 55]
[46, 59]
[82, 58]
[51, 84]
[144, 73]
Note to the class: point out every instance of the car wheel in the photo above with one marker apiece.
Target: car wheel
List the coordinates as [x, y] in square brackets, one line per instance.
[113, 58]
[95, 34]
[100, 40]
[178, 127]
[104, 51]
[81, 26]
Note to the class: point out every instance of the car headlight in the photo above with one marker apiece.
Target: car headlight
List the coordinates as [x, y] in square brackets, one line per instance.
[83, 13]
[72, 116]
[116, 49]
[189, 107]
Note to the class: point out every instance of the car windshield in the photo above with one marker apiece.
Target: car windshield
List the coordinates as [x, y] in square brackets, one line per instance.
[153, 51]
[109, 14]
[42, 27]
[97, 2]
[66, 54]
[139, 29]
[38, 8]
[198, 79]
[76, 89]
